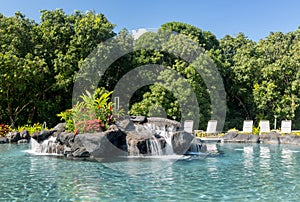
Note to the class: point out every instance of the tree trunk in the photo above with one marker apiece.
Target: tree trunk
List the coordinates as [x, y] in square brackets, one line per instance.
[11, 116]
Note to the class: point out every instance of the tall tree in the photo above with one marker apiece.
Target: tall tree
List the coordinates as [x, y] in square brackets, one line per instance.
[240, 72]
[277, 91]
[21, 70]
[39, 61]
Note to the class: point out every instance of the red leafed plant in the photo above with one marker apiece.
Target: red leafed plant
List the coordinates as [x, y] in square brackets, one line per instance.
[93, 114]
[4, 129]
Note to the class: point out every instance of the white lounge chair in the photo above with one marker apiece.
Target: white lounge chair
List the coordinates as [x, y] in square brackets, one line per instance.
[286, 126]
[247, 126]
[188, 126]
[212, 126]
[264, 126]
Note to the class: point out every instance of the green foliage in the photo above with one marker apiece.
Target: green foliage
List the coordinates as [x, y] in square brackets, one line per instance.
[296, 133]
[37, 127]
[255, 130]
[277, 89]
[233, 130]
[67, 117]
[93, 114]
[206, 39]
[39, 62]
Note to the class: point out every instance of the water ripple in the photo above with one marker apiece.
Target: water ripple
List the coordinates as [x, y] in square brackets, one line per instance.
[243, 173]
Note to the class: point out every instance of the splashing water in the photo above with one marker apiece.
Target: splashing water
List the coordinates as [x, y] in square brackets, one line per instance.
[47, 147]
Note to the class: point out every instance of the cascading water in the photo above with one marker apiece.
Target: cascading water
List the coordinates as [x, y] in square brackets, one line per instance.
[48, 146]
[154, 145]
[133, 149]
[195, 147]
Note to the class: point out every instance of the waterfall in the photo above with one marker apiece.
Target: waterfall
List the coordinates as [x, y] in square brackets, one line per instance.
[133, 149]
[195, 147]
[154, 147]
[48, 146]
[168, 138]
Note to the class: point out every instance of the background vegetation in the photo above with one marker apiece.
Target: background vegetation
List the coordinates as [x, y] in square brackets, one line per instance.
[38, 62]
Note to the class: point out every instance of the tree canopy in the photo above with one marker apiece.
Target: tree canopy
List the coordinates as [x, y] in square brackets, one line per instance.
[39, 63]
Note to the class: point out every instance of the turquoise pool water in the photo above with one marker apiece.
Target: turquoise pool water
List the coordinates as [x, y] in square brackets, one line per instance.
[242, 172]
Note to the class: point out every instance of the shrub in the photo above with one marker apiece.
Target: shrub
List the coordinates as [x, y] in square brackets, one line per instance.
[233, 130]
[37, 127]
[93, 114]
[256, 130]
[4, 129]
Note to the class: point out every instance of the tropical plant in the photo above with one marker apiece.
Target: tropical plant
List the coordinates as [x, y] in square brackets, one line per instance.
[93, 114]
[37, 127]
[4, 129]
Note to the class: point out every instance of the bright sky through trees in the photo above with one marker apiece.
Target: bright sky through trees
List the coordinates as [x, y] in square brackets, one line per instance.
[255, 18]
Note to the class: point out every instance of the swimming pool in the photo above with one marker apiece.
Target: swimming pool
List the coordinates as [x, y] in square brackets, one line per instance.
[241, 172]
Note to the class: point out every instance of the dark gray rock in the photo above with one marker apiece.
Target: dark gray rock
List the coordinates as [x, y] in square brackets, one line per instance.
[125, 125]
[66, 138]
[290, 139]
[137, 142]
[234, 136]
[23, 141]
[61, 127]
[61, 149]
[13, 137]
[25, 135]
[43, 135]
[138, 119]
[229, 136]
[3, 140]
[98, 145]
[197, 146]
[181, 142]
[81, 152]
[271, 138]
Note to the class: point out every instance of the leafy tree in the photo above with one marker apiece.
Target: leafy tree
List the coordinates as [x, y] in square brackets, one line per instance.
[240, 72]
[277, 90]
[171, 50]
[39, 61]
[21, 70]
[204, 38]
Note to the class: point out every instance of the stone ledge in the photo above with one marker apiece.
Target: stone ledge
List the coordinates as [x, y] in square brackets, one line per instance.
[269, 138]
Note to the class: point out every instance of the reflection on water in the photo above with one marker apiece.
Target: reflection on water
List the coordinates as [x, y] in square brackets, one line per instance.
[265, 158]
[244, 172]
[140, 166]
[248, 156]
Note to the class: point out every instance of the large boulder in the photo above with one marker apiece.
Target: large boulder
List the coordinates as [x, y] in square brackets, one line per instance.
[234, 136]
[125, 125]
[59, 128]
[138, 142]
[25, 135]
[66, 138]
[181, 142]
[99, 145]
[290, 139]
[271, 138]
[13, 137]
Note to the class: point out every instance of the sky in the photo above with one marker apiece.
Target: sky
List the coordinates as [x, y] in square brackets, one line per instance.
[255, 18]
